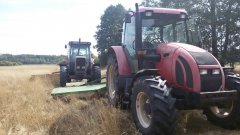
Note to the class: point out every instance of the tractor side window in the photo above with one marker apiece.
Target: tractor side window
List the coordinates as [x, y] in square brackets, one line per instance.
[168, 33]
[150, 33]
[69, 54]
[193, 32]
[181, 33]
[85, 52]
[175, 32]
[129, 36]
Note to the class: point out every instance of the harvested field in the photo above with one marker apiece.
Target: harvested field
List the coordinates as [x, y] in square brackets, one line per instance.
[26, 107]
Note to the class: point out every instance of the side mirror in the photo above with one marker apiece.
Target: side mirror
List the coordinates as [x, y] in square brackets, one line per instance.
[65, 46]
[128, 18]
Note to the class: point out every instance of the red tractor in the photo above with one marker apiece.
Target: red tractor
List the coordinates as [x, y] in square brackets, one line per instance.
[160, 68]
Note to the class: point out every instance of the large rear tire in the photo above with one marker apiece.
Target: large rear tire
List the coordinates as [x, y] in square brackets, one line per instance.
[153, 107]
[63, 76]
[227, 115]
[113, 91]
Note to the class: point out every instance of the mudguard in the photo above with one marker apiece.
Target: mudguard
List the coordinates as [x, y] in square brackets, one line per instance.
[232, 81]
[123, 65]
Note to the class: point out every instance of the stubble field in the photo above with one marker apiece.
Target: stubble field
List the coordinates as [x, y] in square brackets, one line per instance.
[27, 108]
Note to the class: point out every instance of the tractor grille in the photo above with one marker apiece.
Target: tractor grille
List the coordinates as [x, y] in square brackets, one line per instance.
[80, 64]
[210, 83]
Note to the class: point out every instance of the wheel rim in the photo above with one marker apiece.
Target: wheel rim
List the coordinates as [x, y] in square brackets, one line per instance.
[143, 116]
[222, 112]
[111, 84]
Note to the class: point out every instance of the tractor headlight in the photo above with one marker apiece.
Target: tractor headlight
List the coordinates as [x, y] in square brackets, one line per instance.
[203, 71]
[216, 71]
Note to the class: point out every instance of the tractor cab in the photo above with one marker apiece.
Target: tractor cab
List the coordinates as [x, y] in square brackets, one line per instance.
[78, 56]
[160, 67]
[151, 26]
[148, 28]
[79, 64]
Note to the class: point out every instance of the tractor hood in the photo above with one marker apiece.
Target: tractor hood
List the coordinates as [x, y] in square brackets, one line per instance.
[189, 48]
[201, 56]
[181, 64]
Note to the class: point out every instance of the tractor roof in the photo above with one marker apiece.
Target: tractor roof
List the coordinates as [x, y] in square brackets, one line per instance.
[79, 43]
[162, 10]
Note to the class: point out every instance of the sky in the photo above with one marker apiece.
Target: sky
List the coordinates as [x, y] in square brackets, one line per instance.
[43, 27]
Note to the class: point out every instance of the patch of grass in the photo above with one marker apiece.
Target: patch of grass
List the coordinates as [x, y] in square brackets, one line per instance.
[28, 108]
[97, 117]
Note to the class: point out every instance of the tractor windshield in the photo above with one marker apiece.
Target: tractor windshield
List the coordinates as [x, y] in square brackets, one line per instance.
[155, 31]
[79, 50]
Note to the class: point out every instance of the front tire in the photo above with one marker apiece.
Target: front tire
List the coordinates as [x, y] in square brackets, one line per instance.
[63, 76]
[96, 74]
[226, 116]
[153, 107]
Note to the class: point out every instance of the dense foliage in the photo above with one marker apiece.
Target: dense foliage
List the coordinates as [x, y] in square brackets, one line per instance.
[108, 31]
[8, 63]
[8, 59]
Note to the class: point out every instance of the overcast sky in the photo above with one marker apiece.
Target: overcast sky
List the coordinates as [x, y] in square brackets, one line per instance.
[45, 26]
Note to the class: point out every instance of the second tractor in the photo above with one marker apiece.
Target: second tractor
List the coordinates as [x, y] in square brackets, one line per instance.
[79, 64]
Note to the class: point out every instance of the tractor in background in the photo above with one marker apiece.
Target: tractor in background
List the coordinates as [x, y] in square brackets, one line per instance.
[79, 64]
[160, 68]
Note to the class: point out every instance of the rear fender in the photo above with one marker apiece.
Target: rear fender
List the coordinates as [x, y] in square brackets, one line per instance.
[123, 65]
[232, 81]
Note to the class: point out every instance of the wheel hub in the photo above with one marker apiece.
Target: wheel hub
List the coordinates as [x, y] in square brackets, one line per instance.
[143, 109]
[147, 107]
[222, 111]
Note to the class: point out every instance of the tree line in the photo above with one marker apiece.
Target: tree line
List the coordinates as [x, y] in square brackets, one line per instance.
[218, 22]
[11, 60]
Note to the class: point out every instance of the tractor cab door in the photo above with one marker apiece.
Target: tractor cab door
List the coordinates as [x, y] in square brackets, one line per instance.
[128, 40]
[73, 52]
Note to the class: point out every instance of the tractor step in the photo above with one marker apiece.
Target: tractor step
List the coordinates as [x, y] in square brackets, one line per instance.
[218, 96]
